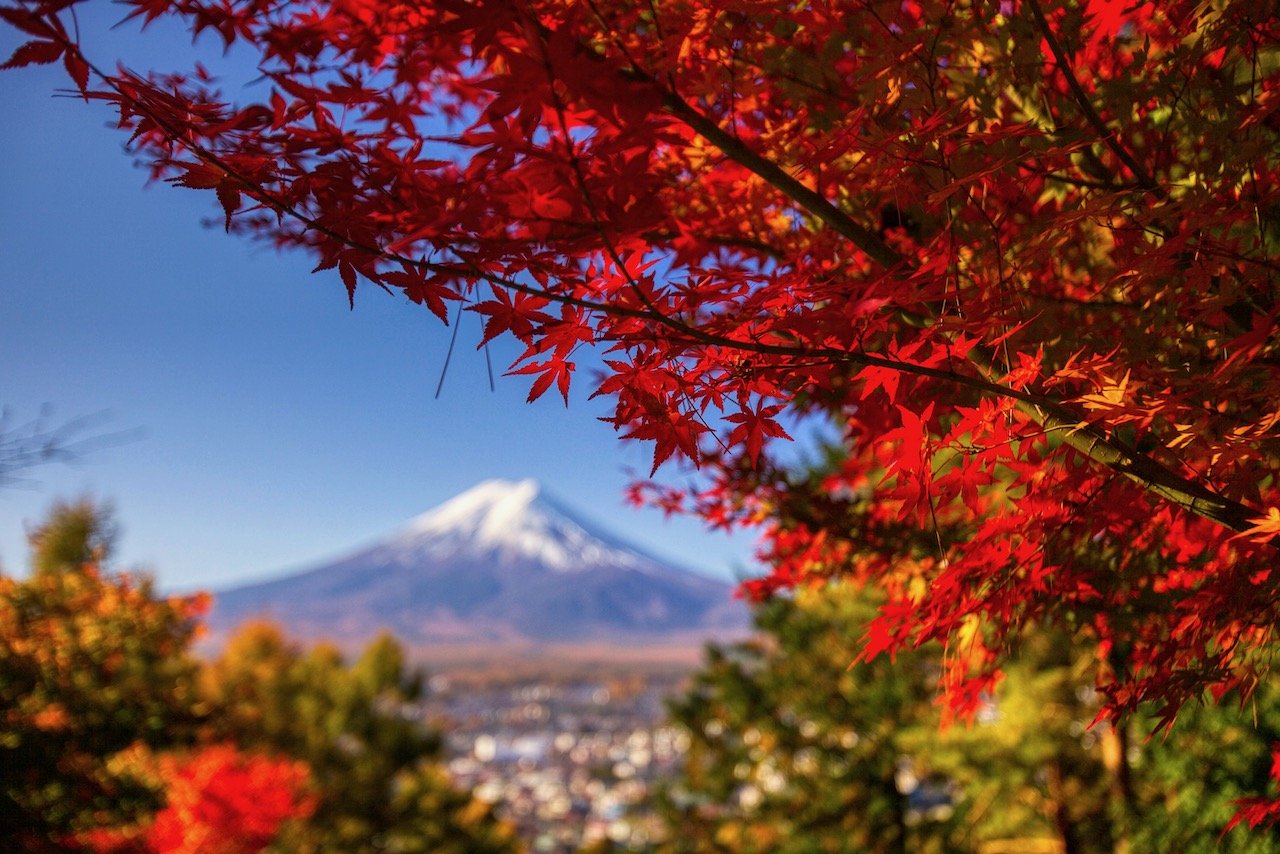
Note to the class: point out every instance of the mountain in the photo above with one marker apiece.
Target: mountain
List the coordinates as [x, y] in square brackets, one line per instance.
[501, 563]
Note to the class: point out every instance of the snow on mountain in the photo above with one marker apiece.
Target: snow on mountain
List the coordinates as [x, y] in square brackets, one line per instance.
[503, 561]
[512, 521]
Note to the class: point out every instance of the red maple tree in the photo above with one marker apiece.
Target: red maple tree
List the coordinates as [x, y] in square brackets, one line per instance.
[221, 800]
[1021, 254]
[218, 800]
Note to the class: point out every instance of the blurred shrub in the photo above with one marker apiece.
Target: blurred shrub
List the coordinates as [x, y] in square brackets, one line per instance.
[90, 663]
[376, 769]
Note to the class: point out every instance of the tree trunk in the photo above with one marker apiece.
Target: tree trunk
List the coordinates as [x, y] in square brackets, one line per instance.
[1061, 814]
[1115, 757]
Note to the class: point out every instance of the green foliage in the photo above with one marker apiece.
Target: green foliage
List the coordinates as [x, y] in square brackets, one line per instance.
[74, 536]
[375, 766]
[1030, 768]
[1190, 780]
[791, 746]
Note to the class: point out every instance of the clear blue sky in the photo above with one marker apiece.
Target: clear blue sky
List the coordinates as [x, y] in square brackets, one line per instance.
[276, 427]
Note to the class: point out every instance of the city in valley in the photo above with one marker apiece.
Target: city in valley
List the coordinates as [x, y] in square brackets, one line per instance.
[572, 753]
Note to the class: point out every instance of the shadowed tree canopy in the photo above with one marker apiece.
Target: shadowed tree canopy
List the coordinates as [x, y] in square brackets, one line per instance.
[1020, 255]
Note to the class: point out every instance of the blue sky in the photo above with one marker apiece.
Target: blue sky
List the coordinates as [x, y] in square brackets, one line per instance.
[272, 425]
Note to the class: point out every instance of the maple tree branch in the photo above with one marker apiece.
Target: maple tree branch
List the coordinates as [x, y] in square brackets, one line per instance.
[811, 200]
[581, 180]
[1086, 106]
[1051, 414]
[1100, 446]
[1144, 469]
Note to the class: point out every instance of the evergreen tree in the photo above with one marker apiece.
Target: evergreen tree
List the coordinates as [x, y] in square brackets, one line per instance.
[789, 746]
[377, 769]
[792, 747]
[1190, 781]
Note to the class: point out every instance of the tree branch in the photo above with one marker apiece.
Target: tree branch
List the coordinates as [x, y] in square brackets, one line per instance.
[817, 204]
[1086, 106]
[1090, 440]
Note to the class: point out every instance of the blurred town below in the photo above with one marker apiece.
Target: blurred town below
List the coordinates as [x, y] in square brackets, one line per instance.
[571, 753]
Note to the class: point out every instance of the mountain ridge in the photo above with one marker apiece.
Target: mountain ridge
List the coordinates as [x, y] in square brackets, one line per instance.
[501, 563]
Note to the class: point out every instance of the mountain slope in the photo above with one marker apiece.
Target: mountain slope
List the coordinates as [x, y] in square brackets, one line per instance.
[502, 562]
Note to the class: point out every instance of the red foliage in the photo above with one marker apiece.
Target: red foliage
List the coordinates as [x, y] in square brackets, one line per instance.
[1022, 255]
[221, 801]
[1259, 811]
[217, 801]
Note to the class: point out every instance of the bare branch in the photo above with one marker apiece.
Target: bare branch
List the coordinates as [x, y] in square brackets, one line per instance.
[41, 441]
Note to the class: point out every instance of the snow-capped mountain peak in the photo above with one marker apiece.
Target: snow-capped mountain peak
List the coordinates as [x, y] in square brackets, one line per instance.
[510, 521]
[485, 510]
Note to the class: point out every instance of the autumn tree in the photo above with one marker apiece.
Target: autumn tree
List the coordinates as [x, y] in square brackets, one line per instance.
[100, 719]
[92, 663]
[377, 772]
[115, 738]
[1021, 256]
